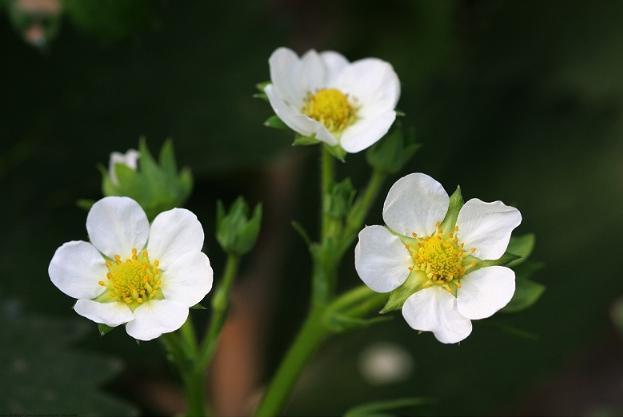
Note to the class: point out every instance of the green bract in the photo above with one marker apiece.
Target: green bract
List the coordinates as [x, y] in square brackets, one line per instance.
[156, 186]
[236, 232]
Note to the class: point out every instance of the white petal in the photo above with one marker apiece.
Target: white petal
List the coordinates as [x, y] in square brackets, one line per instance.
[373, 83]
[313, 71]
[156, 317]
[334, 63]
[434, 310]
[174, 233]
[415, 204]
[76, 268]
[110, 314]
[381, 259]
[285, 68]
[366, 132]
[292, 117]
[189, 279]
[487, 227]
[485, 291]
[116, 225]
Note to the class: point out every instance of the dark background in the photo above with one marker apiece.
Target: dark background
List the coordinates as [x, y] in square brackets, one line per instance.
[514, 100]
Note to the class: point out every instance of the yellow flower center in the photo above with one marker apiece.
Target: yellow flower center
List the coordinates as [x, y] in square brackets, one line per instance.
[133, 281]
[442, 258]
[332, 108]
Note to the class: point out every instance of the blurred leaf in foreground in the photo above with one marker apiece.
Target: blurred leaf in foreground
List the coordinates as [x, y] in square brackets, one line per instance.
[42, 373]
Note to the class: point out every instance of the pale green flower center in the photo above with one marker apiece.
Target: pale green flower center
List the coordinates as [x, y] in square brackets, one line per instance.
[332, 108]
[134, 280]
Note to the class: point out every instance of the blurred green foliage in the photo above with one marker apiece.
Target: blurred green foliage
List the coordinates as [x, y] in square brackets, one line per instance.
[43, 375]
[518, 101]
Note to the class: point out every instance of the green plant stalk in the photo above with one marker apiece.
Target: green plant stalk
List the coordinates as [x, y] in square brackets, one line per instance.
[220, 305]
[183, 350]
[193, 381]
[314, 331]
[360, 210]
[310, 336]
[327, 178]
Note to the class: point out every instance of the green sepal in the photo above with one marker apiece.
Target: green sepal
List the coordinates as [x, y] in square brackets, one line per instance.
[237, 229]
[392, 153]
[260, 88]
[522, 246]
[85, 203]
[104, 329]
[337, 152]
[276, 123]
[456, 202]
[397, 298]
[527, 291]
[198, 307]
[300, 140]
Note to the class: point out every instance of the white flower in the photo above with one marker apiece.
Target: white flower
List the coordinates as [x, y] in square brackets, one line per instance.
[129, 159]
[441, 266]
[146, 277]
[322, 95]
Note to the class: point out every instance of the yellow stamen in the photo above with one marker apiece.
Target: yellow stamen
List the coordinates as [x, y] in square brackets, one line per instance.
[134, 280]
[441, 257]
[332, 108]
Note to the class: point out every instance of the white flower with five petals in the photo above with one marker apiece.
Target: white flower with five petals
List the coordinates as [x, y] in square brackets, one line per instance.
[441, 266]
[146, 277]
[324, 96]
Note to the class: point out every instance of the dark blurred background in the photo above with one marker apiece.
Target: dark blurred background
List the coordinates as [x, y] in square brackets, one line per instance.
[514, 100]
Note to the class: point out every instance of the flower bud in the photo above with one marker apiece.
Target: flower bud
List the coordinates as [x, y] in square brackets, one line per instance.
[236, 232]
[156, 185]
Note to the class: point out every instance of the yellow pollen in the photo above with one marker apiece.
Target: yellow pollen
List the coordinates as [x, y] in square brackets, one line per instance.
[134, 280]
[332, 108]
[441, 257]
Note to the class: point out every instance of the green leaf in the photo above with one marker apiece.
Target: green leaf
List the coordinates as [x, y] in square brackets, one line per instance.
[42, 374]
[388, 408]
[276, 123]
[340, 322]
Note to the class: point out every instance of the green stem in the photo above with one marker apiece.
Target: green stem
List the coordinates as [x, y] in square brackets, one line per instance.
[327, 174]
[193, 380]
[310, 336]
[360, 210]
[220, 305]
